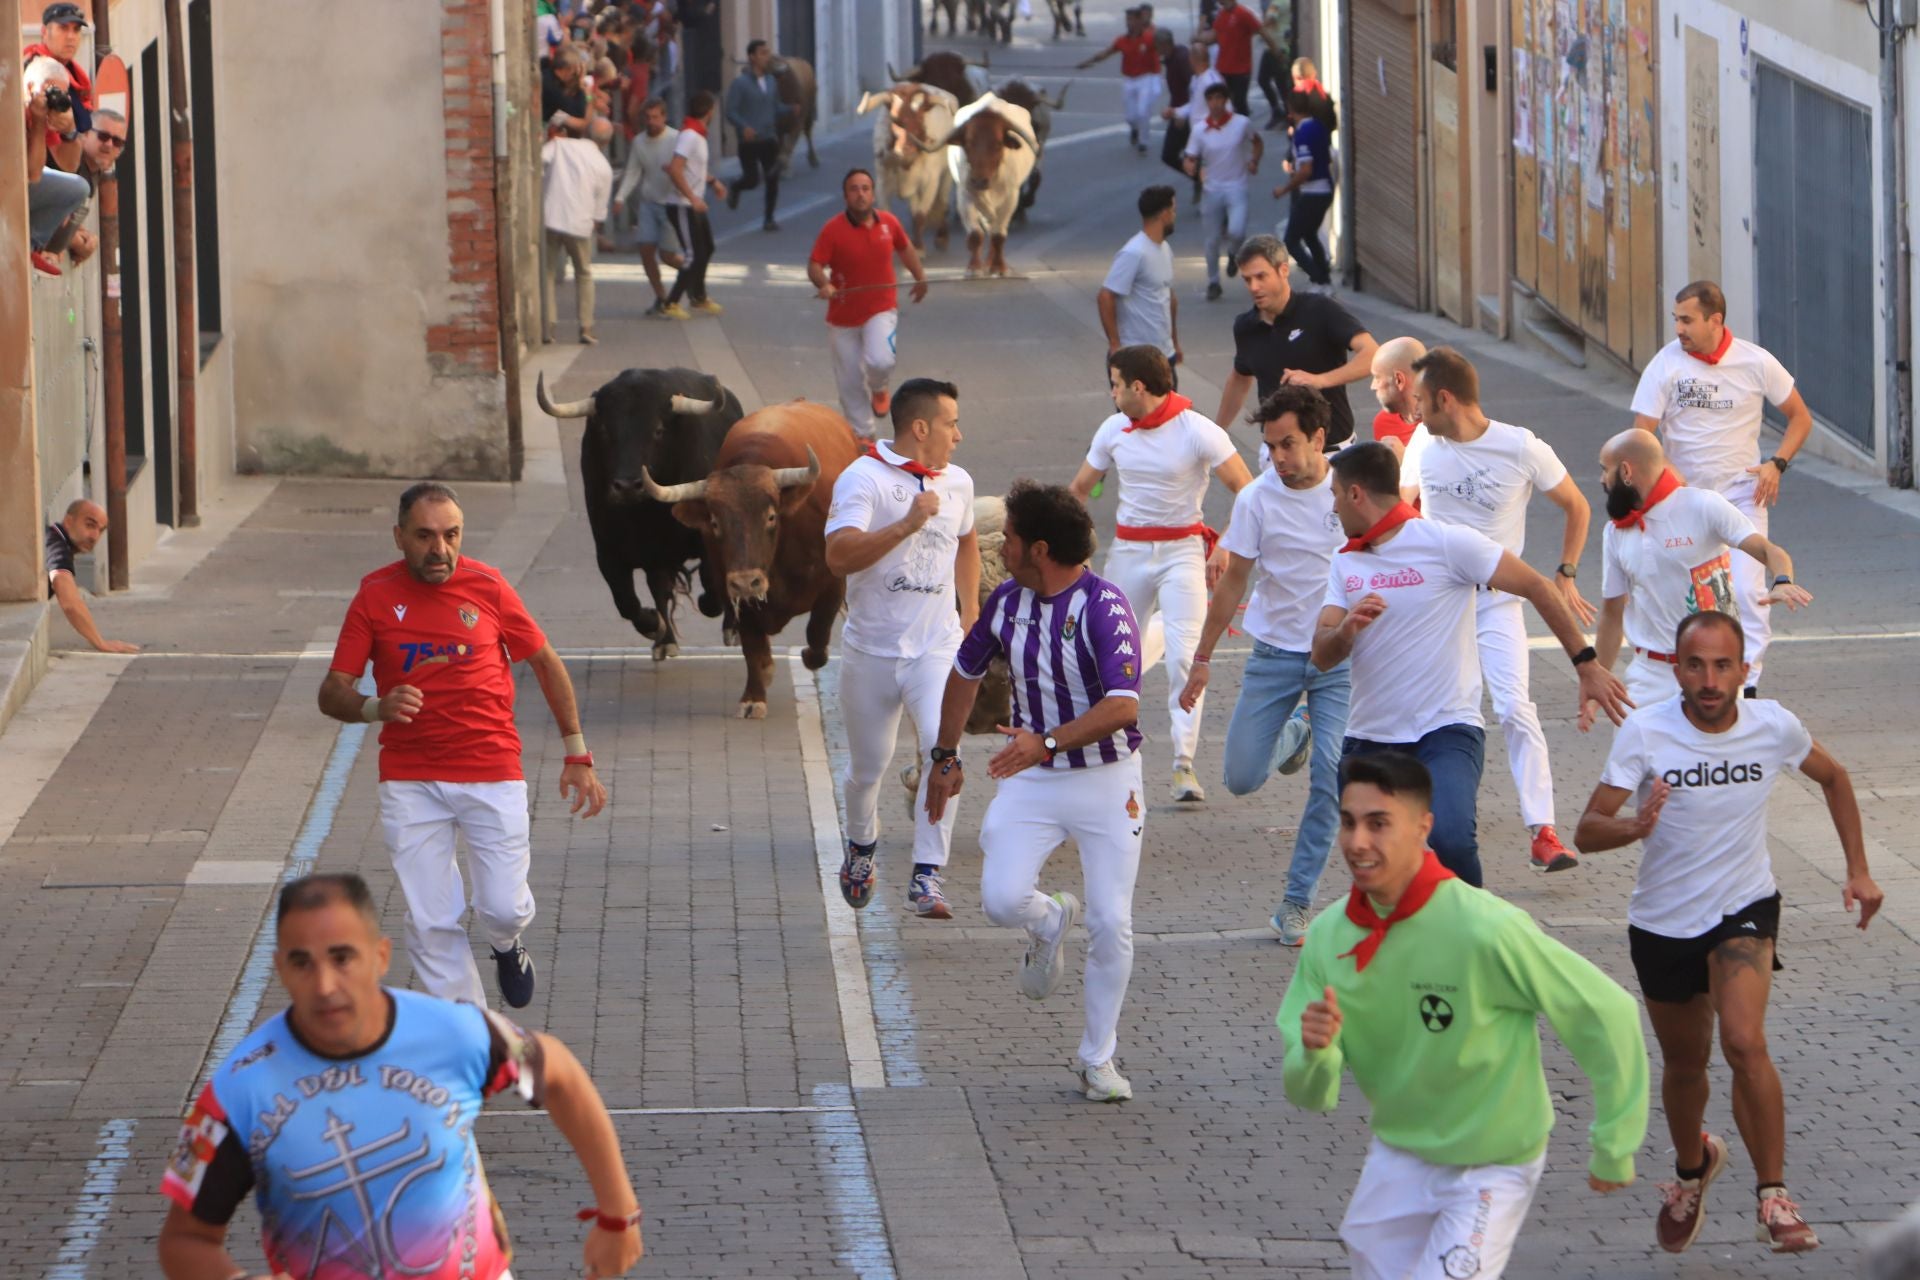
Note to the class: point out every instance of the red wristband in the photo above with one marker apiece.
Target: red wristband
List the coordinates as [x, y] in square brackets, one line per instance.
[607, 1221]
[586, 760]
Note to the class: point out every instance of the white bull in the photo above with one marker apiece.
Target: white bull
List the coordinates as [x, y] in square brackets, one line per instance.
[909, 165]
[990, 153]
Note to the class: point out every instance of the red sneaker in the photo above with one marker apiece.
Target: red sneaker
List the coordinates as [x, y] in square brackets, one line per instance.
[1685, 1206]
[882, 402]
[1780, 1225]
[1549, 854]
[45, 264]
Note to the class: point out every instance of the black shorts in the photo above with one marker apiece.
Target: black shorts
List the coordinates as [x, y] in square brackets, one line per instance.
[1674, 970]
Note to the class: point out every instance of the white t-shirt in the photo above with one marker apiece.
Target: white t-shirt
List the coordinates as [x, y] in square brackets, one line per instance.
[1224, 153]
[1416, 668]
[1291, 535]
[1142, 276]
[1196, 108]
[1709, 414]
[1486, 484]
[1707, 856]
[694, 147]
[1162, 471]
[1679, 563]
[903, 605]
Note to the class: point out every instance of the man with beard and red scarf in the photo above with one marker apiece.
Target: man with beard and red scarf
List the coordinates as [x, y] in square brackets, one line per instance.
[1163, 557]
[1401, 598]
[1430, 994]
[1665, 554]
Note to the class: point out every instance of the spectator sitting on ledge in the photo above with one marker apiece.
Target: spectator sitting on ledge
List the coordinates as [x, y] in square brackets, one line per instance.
[51, 195]
[78, 532]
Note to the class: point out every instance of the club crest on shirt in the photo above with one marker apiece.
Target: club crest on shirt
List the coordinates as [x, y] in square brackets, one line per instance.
[1126, 670]
[469, 616]
[1070, 628]
[400, 612]
[1133, 804]
[899, 493]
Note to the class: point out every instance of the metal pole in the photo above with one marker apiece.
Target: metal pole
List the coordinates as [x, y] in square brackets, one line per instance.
[186, 328]
[503, 246]
[1896, 308]
[112, 370]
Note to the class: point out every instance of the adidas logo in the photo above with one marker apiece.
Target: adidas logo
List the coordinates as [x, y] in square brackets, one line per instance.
[1704, 774]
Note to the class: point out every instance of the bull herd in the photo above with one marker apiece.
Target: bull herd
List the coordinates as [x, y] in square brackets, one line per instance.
[946, 140]
[679, 481]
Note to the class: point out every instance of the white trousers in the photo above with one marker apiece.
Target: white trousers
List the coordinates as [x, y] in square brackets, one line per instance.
[863, 358]
[1139, 93]
[873, 692]
[1411, 1220]
[1101, 809]
[1166, 583]
[421, 821]
[1750, 584]
[1648, 681]
[1506, 667]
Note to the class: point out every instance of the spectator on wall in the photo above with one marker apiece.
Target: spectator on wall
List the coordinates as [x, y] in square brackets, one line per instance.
[62, 26]
[564, 101]
[77, 533]
[52, 196]
[100, 149]
[577, 183]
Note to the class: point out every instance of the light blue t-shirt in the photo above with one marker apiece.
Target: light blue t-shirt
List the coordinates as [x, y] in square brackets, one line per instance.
[1142, 277]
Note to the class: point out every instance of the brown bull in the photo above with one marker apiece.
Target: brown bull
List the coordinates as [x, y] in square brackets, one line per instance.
[762, 514]
[794, 78]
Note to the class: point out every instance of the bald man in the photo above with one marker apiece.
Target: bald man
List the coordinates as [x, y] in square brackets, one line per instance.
[78, 533]
[1666, 552]
[1397, 420]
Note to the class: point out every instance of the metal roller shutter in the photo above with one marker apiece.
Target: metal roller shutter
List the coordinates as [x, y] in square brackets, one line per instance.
[1386, 177]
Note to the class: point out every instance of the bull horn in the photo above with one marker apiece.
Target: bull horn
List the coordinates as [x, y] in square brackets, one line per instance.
[569, 409]
[789, 477]
[687, 404]
[672, 493]
[900, 79]
[1059, 104]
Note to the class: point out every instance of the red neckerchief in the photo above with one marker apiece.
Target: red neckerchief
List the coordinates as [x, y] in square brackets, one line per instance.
[695, 126]
[911, 467]
[1637, 518]
[1719, 352]
[1221, 123]
[1401, 513]
[1170, 408]
[1310, 86]
[1361, 912]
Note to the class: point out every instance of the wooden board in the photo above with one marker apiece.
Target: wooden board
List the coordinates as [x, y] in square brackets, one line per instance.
[1449, 193]
[1619, 102]
[1381, 101]
[1703, 155]
[1643, 238]
[1526, 190]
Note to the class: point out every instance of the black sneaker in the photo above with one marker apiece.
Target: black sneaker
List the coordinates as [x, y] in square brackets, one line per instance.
[1213, 291]
[733, 196]
[856, 875]
[1233, 264]
[769, 225]
[515, 970]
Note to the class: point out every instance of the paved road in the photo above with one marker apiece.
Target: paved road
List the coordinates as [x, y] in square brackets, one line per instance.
[801, 1094]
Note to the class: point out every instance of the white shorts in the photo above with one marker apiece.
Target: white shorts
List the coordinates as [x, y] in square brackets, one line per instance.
[1412, 1220]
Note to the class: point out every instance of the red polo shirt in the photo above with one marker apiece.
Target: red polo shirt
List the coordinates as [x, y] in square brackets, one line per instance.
[1139, 56]
[1235, 29]
[857, 256]
[455, 643]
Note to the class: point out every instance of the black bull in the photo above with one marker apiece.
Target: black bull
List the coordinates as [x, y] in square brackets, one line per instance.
[668, 422]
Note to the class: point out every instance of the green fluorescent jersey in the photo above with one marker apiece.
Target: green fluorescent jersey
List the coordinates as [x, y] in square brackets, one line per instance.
[1441, 1033]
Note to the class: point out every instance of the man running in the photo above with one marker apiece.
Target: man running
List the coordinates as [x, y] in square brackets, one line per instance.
[1705, 393]
[755, 110]
[1223, 151]
[1139, 50]
[1136, 301]
[1163, 556]
[1070, 769]
[852, 268]
[350, 1117]
[687, 209]
[1705, 916]
[1401, 598]
[648, 155]
[1233, 29]
[1398, 420]
[1432, 995]
[442, 631]
[1665, 554]
[1476, 472]
[1283, 536]
[900, 531]
[1310, 187]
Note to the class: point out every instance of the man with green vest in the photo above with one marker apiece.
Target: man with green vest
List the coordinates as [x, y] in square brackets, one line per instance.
[1429, 991]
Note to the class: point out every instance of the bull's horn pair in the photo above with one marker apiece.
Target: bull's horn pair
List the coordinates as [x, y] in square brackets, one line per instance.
[693, 490]
[569, 409]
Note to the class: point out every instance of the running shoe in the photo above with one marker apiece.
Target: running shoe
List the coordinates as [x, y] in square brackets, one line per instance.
[1291, 922]
[707, 306]
[882, 403]
[1105, 1083]
[1780, 1225]
[1549, 854]
[514, 967]
[1296, 740]
[1685, 1206]
[671, 311]
[587, 339]
[1233, 267]
[1040, 967]
[856, 875]
[1186, 785]
[926, 899]
[1213, 291]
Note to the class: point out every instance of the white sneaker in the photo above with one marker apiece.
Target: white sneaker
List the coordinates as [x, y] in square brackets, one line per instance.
[1291, 922]
[1186, 786]
[1105, 1083]
[1040, 968]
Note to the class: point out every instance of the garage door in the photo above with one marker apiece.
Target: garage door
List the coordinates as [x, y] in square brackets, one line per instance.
[1380, 111]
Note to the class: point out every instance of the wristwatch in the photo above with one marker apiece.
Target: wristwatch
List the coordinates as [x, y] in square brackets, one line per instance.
[1585, 655]
[1780, 462]
[941, 754]
[1783, 580]
[1568, 571]
[1052, 744]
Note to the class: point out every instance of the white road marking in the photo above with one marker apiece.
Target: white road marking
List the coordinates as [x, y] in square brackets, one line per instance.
[93, 1210]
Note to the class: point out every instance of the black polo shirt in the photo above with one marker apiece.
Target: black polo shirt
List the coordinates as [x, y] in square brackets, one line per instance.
[59, 554]
[1314, 334]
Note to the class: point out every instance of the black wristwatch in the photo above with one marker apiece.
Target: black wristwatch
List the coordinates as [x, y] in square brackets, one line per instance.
[1586, 655]
[1780, 462]
[941, 754]
[1568, 571]
[1783, 580]
[1052, 744]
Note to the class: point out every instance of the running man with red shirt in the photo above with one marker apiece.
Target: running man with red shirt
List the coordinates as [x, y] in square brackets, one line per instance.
[1234, 27]
[852, 267]
[1139, 52]
[441, 631]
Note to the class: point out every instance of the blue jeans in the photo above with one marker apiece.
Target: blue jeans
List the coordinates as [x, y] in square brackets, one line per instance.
[1270, 688]
[1453, 754]
[1303, 235]
[50, 200]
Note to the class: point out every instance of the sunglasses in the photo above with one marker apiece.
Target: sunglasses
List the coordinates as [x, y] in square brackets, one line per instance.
[116, 139]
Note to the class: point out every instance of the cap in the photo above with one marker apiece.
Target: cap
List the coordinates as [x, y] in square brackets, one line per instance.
[64, 11]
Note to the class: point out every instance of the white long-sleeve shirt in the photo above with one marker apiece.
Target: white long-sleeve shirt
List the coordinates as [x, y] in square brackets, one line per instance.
[577, 183]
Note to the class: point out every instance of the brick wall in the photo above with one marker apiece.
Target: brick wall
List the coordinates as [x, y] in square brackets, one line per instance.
[469, 342]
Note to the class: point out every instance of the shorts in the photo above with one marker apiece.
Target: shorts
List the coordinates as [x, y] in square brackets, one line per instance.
[651, 225]
[1674, 970]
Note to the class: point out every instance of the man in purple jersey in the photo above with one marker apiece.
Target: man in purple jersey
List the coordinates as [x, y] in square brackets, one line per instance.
[1071, 766]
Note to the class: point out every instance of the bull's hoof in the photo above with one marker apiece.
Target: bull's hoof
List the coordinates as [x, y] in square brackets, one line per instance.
[813, 659]
[665, 649]
[711, 605]
[752, 710]
[910, 778]
[730, 636]
[647, 623]
[813, 161]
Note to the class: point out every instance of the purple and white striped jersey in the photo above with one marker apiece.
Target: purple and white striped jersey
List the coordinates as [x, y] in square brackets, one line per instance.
[1065, 653]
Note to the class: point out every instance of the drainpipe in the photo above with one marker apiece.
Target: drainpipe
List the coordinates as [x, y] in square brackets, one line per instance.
[1349, 216]
[505, 287]
[186, 328]
[1897, 309]
[114, 395]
